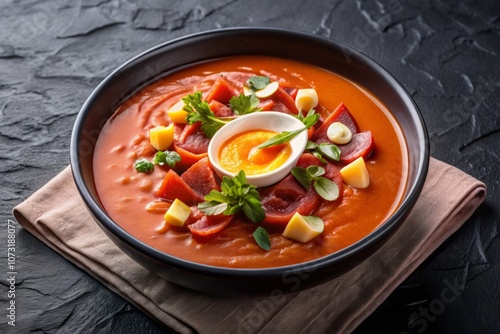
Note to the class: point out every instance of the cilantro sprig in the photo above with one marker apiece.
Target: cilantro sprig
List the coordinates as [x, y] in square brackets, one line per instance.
[322, 150]
[236, 195]
[167, 157]
[324, 187]
[143, 165]
[242, 104]
[199, 111]
[257, 82]
[170, 158]
[286, 136]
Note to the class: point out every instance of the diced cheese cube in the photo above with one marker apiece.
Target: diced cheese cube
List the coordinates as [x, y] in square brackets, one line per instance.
[178, 213]
[303, 228]
[177, 114]
[161, 137]
[355, 174]
[306, 99]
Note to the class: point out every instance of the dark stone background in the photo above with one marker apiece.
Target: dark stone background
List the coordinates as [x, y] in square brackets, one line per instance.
[446, 53]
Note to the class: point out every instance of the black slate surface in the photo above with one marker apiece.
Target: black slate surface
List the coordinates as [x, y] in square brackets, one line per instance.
[446, 53]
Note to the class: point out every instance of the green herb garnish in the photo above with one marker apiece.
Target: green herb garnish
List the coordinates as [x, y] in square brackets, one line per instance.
[286, 136]
[167, 157]
[243, 104]
[257, 82]
[143, 166]
[324, 187]
[330, 151]
[235, 195]
[315, 222]
[262, 238]
[310, 119]
[199, 111]
[301, 116]
[281, 138]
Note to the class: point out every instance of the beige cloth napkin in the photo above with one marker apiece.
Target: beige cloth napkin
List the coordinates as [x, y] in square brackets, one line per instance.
[56, 215]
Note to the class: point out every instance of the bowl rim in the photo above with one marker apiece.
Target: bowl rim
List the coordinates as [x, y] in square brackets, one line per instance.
[309, 266]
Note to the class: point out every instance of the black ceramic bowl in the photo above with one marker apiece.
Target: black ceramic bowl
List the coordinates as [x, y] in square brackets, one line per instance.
[182, 52]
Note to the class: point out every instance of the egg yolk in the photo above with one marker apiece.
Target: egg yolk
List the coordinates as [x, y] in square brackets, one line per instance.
[240, 153]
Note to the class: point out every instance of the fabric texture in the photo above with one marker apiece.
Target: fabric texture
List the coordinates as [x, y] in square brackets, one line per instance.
[56, 215]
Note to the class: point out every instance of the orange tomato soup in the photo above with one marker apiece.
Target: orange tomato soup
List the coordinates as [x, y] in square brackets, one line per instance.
[129, 197]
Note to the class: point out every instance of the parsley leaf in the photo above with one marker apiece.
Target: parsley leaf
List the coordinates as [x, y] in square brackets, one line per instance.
[281, 138]
[211, 208]
[330, 151]
[315, 222]
[286, 136]
[301, 116]
[262, 238]
[315, 171]
[303, 176]
[199, 111]
[143, 166]
[235, 195]
[310, 120]
[243, 104]
[324, 187]
[167, 157]
[257, 82]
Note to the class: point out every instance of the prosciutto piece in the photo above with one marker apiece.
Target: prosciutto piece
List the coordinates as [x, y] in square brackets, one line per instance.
[195, 182]
[332, 171]
[173, 186]
[220, 109]
[208, 227]
[191, 144]
[222, 91]
[200, 177]
[340, 114]
[361, 144]
[284, 102]
[191, 138]
[282, 200]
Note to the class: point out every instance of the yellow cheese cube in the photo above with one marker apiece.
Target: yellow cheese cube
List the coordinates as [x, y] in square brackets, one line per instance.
[161, 137]
[178, 213]
[303, 228]
[177, 114]
[355, 174]
[306, 99]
